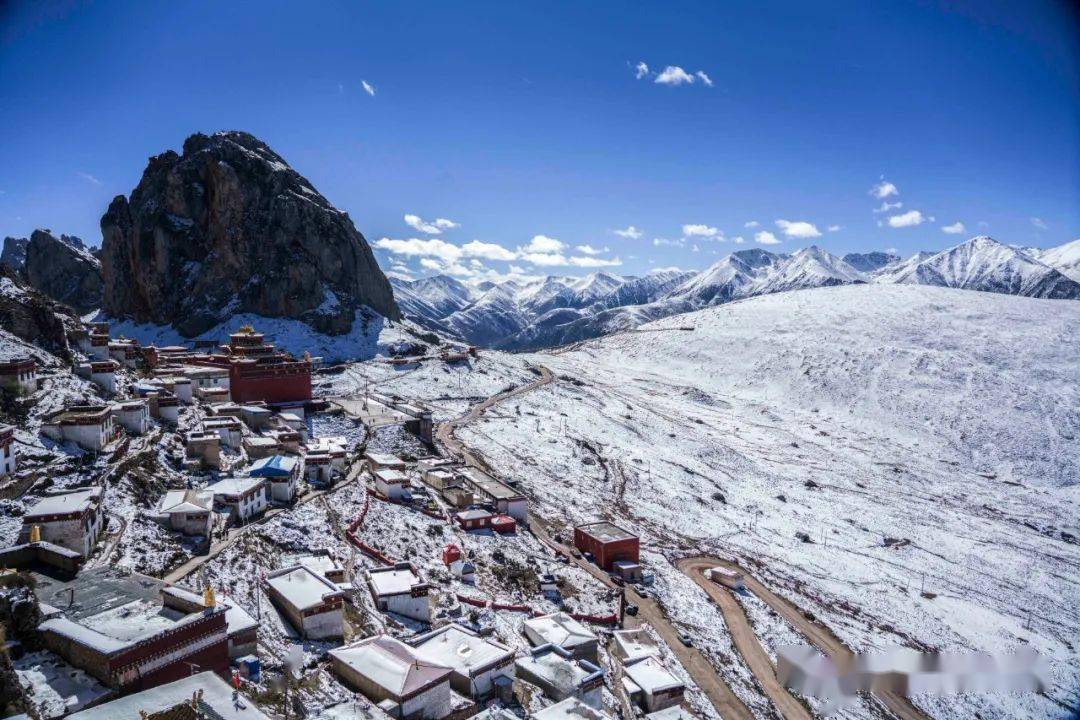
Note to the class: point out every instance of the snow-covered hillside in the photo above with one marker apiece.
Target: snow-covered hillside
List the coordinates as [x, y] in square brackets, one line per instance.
[901, 461]
[984, 264]
[1064, 258]
[515, 315]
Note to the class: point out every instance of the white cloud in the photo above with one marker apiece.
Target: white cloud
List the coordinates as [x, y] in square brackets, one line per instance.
[630, 232]
[543, 244]
[594, 262]
[88, 177]
[545, 259]
[674, 75]
[415, 247]
[798, 229]
[704, 78]
[738, 240]
[984, 224]
[641, 70]
[590, 250]
[1037, 222]
[955, 229]
[433, 228]
[429, 264]
[835, 228]
[700, 231]
[661, 242]
[892, 251]
[751, 224]
[669, 268]
[488, 251]
[887, 206]
[908, 219]
[884, 189]
[368, 87]
[766, 238]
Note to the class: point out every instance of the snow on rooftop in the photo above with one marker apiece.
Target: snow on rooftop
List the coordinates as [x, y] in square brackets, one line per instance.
[384, 459]
[216, 694]
[72, 502]
[560, 629]
[651, 676]
[234, 485]
[393, 581]
[458, 648]
[301, 587]
[390, 664]
[570, 709]
[391, 476]
[134, 621]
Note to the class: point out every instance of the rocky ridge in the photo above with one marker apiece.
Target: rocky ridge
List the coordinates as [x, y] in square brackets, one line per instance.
[227, 227]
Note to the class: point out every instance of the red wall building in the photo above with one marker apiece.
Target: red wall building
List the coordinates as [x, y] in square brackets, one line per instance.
[260, 372]
[607, 543]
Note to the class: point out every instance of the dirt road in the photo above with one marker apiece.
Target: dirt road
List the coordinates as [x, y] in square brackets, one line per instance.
[235, 533]
[445, 434]
[723, 699]
[697, 666]
[745, 640]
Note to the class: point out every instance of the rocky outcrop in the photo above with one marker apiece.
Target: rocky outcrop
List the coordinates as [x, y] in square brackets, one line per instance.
[14, 253]
[228, 227]
[30, 315]
[64, 269]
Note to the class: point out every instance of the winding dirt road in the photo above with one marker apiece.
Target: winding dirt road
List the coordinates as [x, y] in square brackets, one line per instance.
[723, 699]
[750, 648]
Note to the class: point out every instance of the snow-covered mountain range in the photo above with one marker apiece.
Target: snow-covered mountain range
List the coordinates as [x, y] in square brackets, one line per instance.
[558, 310]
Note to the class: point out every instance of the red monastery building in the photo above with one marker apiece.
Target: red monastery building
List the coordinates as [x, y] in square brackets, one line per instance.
[260, 372]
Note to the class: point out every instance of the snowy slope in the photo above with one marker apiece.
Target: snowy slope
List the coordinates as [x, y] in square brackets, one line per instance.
[983, 263]
[852, 414]
[1064, 258]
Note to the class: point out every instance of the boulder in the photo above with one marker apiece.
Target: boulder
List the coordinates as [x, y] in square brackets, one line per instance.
[227, 227]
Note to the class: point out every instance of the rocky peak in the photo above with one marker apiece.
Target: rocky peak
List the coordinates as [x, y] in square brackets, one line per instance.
[63, 269]
[14, 253]
[228, 227]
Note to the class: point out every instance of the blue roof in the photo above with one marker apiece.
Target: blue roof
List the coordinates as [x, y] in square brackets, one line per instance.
[273, 466]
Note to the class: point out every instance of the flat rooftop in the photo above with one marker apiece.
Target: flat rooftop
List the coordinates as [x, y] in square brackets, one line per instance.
[570, 709]
[94, 590]
[216, 694]
[72, 502]
[393, 581]
[455, 647]
[489, 485]
[301, 587]
[606, 531]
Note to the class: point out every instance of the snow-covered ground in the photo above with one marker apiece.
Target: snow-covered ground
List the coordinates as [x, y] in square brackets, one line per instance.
[852, 414]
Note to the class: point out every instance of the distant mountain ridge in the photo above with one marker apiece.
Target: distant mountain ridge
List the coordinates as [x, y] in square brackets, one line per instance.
[554, 311]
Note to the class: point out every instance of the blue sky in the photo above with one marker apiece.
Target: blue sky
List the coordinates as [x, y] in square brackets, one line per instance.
[531, 127]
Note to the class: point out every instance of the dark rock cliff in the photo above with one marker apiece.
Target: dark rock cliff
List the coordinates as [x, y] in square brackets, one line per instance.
[30, 315]
[64, 269]
[228, 227]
